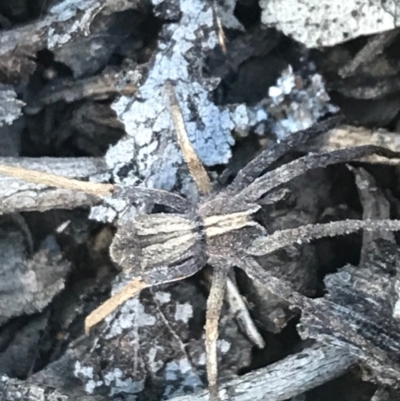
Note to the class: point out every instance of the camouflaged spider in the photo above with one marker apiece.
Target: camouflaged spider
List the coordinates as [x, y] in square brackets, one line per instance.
[218, 229]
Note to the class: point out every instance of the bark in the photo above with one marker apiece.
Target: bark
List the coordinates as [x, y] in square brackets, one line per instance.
[287, 378]
[280, 381]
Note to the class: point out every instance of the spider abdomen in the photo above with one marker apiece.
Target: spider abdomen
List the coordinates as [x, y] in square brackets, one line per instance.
[160, 247]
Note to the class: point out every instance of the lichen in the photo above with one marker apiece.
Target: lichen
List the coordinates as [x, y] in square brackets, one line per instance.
[181, 371]
[295, 102]
[183, 312]
[327, 22]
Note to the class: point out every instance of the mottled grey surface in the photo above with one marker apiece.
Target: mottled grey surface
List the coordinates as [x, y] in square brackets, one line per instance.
[329, 22]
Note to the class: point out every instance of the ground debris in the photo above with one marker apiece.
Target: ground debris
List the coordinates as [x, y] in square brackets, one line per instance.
[159, 328]
[358, 310]
[82, 96]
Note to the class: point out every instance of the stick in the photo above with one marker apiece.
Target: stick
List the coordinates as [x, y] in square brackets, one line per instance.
[285, 379]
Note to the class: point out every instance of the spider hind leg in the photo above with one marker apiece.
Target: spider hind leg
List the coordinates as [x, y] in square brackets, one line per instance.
[214, 307]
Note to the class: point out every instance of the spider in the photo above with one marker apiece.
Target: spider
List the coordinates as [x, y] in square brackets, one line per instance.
[217, 229]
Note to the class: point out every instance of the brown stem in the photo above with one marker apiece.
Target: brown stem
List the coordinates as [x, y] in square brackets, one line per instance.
[53, 180]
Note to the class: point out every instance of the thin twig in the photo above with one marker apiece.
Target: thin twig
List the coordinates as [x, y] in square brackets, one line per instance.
[196, 168]
[57, 181]
[220, 29]
[109, 306]
[239, 309]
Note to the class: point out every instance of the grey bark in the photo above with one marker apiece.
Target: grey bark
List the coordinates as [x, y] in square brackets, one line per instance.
[64, 23]
[28, 279]
[287, 378]
[277, 382]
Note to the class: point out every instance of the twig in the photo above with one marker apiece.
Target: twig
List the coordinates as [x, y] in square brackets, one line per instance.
[53, 180]
[285, 379]
[197, 170]
[59, 184]
[99, 314]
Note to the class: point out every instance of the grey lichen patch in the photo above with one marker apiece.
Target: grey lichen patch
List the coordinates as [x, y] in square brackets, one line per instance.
[85, 373]
[162, 297]
[149, 155]
[294, 103]
[225, 10]
[141, 343]
[224, 346]
[150, 137]
[131, 315]
[183, 312]
[181, 371]
[67, 10]
[10, 106]
[327, 22]
[120, 383]
[151, 140]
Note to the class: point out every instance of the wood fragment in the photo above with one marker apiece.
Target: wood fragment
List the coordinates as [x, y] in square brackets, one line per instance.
[19, 45]
[375, 206]
[373, 48]
[29, 390]
[287, 378]
[381, 394]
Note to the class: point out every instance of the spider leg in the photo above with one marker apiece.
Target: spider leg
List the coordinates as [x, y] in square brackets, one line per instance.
[153, 196]
[196, 168]
[100, 313]
[259, 164]
[214, 307]
[287, 172]
[283, 238]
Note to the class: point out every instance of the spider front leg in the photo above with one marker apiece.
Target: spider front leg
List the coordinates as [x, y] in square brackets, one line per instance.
[260, 163]
[153, 196]
[288, 172]
[283, 238]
